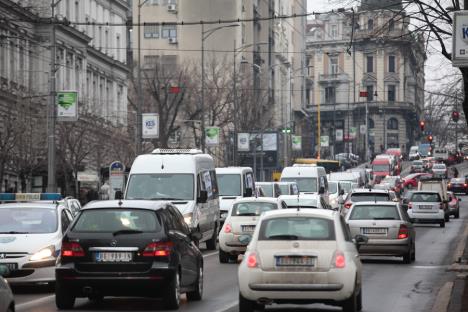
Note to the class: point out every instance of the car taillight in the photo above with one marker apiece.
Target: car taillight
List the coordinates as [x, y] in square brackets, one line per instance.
[338, 260]
[466, 185]
[252, 260]
[348, 205]
[410, 205]
[449, 185]
[403, 232]
[72, 250]
[227, 228]
[159, 249]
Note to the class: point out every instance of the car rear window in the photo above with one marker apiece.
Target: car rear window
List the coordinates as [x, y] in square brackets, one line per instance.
[425, 197]
[439, 167]
[252, 208]
[114, 220]
[297, 228]
[457, 180]
[360, 197]
[374, 212]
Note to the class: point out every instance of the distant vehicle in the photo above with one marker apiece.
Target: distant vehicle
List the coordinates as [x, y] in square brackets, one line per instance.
[337, 194]
[454, 205]
[428, 207]
[309, 179]
[305, 201]
[329, 165]
[439, 170]
[233, 183]
[387, 227]
[7, 301]
[129, 248]
[411, 180]
[72, 204]
[288, 188]
[458, 185]
[441, 154]
[417, 166]
[274, 269]
[354, 177]
[425, 149]
[185, 177]
[392, 183]
[395, 152]
[413, 153]
[240, 225]
[363, 175]
[360, 195]
[380, 169]
[270, 189]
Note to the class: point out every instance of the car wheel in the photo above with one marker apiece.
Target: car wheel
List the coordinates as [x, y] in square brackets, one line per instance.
[359, 300]
[408, 256]
[447, 218]
[211, 243]
[457, 214]
[172, 296]
[246, 305]
[442, 224]
[64, 299]
[223, 256]
[413, 255]
[350, 304]
[197, 293]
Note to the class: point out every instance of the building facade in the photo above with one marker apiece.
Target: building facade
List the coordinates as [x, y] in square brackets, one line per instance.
[376, 65]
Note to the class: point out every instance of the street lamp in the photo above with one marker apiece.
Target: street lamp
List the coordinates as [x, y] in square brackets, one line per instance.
[204, 36]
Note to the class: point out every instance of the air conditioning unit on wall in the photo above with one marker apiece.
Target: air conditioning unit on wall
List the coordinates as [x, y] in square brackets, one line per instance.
[172, 40]
[172, 8]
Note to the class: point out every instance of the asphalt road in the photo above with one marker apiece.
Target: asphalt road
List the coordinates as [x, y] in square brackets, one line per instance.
[388, 284]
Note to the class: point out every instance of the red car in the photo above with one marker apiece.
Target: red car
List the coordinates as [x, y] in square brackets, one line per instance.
[412, 180]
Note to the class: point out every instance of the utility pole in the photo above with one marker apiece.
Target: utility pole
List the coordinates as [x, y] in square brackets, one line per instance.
[202, 104]
[51, 111]
[236, 110]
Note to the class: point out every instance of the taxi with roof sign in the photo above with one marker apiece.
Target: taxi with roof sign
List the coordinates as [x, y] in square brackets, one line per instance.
[31, 230]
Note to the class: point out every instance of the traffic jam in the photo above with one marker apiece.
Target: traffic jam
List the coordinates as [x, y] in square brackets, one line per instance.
[296, 241]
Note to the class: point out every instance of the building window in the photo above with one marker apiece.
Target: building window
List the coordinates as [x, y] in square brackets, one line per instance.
[391, 63]
[391, 25]
[391, 93]
[169, 31]
[150, 61]
[334, 31]
[370, 123]
[333, 65]
[152, 2]
[370, 93]
[151, 31]
[330, 95]
[392, 124]
[370, 64]
[370, 24]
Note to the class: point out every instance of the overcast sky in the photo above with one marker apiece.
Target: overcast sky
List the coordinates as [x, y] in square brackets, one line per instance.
[436, 65]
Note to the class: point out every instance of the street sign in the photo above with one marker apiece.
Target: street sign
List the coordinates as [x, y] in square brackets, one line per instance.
[243, 144]
[324, 141]
[460, 39]
[362, 129]
[116, 178]
[67, 105]
[339, 135]
[150, 125]
[363, 93]
[212, 136]
[296, 143]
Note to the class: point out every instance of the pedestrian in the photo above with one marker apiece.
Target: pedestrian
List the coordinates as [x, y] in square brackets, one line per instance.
[455, 172]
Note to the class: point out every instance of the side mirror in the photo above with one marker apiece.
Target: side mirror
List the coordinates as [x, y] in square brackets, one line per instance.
[459, 200]
[341, 192]
[248, 192]
[195, 236]
[203, 197]
[119, 194]
[360, 239]
[321, 190]
[4, 270]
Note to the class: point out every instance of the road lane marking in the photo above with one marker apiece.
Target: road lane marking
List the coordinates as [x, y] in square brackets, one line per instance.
[33, 303]
[228, 306]
[433, 267]
[210, 254]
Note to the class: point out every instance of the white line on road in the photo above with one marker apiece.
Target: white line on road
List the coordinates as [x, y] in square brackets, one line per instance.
[30, 304]
[210, 254]
[228, 306]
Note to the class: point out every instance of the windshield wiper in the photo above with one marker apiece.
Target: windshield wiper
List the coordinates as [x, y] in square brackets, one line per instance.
[166, 198]
[284, 236]
[129, 231]
[14, 232]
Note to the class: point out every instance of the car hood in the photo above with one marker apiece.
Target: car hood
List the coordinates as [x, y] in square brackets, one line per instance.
[184, 206]
[30, 243]
[225, 202]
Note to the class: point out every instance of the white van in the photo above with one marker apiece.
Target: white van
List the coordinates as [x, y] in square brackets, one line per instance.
[441, 154]
[309, 179]
[233, 183]
[185, 177]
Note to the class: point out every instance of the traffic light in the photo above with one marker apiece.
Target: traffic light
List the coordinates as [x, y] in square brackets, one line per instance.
[421, 125]
[430, 138]
[455, 116]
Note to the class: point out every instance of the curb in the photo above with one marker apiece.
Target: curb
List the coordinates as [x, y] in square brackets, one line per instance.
[443, 298]
[459, 251]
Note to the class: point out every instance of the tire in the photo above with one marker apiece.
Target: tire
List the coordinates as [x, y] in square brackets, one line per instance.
[408, 256]
[359, 300]
[442, 224]
[64, 299]
[457, 215]
[223, 256]
[197, 293]
[172, 295]
[350, 304]
[447, 218]
[246, 305]
[413, 256]
[211, 243]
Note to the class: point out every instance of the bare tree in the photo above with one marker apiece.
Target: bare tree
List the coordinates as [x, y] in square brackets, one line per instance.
[8, 139]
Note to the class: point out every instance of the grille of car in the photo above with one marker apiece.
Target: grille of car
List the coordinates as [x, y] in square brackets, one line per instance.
[12, 255]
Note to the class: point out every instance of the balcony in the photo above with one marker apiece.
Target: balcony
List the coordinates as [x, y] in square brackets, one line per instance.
[337, 78]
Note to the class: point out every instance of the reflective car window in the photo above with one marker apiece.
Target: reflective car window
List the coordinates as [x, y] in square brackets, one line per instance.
[112, 220]
[252, 208]
[425, 197]
[229, 184]
[374, 212]
[28, 220]
[297, 228]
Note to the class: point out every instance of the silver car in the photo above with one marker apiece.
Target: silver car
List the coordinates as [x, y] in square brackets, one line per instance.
[428, 207]
[240, 224]
[7, 302]
[388, 228]
[439, 170]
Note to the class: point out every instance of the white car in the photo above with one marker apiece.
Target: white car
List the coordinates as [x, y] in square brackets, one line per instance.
[439, 170]
[337, 194]
[305, 201]
[302, 256]
[30, 238]
[7, 302]
[240, 224]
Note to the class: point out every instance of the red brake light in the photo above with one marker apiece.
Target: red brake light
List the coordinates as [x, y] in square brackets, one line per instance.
[227, 228]
[466, 185]
[159, 249]
[252, 261]
[403, 232]
[339, 260]
[410, 205]
[348, 205]
[72, 250]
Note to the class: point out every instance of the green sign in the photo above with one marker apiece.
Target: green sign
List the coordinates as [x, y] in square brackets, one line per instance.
[67, 105]
[296, 142]
[212, 136]
[352, 132]
[324, 141]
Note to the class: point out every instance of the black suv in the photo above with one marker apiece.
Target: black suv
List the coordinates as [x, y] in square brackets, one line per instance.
[129, 248]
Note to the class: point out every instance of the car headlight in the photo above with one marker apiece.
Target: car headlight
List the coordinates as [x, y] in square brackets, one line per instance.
[188, 219]
[333, 202]
[48, 252]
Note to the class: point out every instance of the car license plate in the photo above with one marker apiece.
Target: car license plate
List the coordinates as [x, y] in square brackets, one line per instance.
[425, 207]
[113, 256]
[11, 266]
[295, 261]
[248, 228]
[374, 230]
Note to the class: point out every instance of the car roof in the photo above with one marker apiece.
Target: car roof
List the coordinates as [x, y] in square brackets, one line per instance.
[272, 200]
[380, 203]
[285, 182]
[322, 213]
[35, 204]
[136, 204]
[221, 170]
